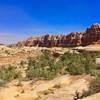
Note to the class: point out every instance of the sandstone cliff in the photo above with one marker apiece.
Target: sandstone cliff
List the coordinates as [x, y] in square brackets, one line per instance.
[90, 36]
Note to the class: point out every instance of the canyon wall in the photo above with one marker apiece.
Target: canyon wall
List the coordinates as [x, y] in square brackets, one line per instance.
[90, 36]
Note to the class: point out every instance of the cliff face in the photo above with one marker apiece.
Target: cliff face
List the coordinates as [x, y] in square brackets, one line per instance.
[90, 36]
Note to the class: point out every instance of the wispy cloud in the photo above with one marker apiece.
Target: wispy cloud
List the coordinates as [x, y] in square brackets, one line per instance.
[6, 38]
[14, 37]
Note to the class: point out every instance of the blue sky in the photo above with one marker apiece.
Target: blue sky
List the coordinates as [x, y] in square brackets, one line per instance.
[20, 19]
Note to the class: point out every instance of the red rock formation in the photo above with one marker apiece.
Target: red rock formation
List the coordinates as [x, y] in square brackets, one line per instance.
[90, 36]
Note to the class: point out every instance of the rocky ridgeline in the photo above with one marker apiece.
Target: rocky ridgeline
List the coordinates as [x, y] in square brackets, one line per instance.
[90, 36]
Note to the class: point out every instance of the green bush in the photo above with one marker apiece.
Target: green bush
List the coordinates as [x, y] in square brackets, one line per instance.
[22, 63]
[82, 63]
[45, 66]
[7, 74]
[48, 66]
[76, 70]
[93, 88]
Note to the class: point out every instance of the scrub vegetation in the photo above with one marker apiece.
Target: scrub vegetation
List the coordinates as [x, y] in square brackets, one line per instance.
[48, 66]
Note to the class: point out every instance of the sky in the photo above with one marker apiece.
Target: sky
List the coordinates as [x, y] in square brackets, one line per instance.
[20, 19]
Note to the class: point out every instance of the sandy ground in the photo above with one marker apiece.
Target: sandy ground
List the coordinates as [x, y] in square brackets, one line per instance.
[60, 88]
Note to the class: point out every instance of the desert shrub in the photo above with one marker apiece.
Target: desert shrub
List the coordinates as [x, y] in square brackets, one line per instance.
[22, 63]
[7, 74]
[45, 66]
[7, 52]
[82, 63]
[94, 87]
[76, 69]
[48, 66]
[95, 72]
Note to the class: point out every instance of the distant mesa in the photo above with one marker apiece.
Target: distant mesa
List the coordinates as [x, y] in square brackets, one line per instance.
[74, 39]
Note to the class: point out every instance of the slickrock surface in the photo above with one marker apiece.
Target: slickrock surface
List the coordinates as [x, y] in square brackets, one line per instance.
[90, 36]
[60, 88]
[14, 55]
